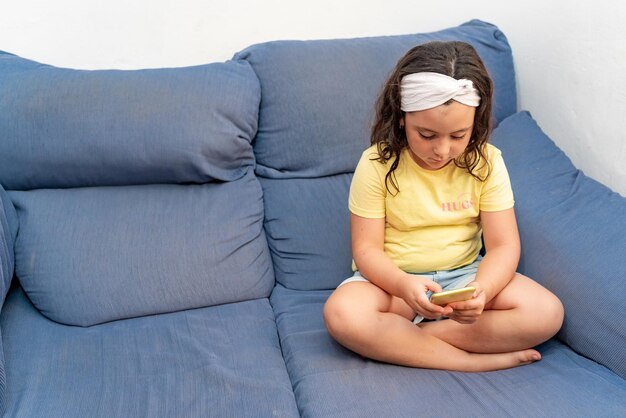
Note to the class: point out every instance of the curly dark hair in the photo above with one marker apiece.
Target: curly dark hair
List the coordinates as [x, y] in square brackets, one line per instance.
[455, 59]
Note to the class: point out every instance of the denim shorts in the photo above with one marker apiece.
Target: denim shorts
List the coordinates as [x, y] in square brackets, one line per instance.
[447, 279]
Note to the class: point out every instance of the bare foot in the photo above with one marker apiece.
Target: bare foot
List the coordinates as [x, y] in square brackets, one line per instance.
[499, 361]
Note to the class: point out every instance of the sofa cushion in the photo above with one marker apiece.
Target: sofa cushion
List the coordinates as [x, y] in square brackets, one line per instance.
[8, 232]
[91, 255]
[218, 361]
[573, 232]
[331, 381]
[318, 96]
[308, 229]
[75, 128]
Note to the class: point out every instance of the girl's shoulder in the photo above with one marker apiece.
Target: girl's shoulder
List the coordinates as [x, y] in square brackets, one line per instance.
[371, 153]
[491, 157]
[492, 152]
[371, 157]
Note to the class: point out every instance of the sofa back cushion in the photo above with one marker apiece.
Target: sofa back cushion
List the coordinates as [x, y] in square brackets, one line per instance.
[75, 128]
[573, 232]
[318, 96]
[135, 190]
[316, 111]
[91, 255]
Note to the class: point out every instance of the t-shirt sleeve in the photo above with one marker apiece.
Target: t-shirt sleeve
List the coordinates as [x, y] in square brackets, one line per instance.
[496, 193]
[367, 190]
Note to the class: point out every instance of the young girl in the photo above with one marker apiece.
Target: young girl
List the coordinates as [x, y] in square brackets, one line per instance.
[422, 197]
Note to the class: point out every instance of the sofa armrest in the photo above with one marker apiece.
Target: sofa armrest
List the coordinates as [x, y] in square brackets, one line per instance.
[573, 232]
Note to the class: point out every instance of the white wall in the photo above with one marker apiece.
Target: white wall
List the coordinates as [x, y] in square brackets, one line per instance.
[570, 56]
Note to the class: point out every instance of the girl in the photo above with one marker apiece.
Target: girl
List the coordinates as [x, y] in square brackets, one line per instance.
[422, 197]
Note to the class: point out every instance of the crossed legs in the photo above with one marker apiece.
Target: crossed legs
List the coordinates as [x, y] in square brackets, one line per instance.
[369, 321]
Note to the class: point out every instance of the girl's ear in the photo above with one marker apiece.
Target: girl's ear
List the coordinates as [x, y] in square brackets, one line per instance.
[402, 122]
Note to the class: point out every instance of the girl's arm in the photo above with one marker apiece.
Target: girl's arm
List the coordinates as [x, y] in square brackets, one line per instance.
[368, 237]
[502, 246]
[497, 268]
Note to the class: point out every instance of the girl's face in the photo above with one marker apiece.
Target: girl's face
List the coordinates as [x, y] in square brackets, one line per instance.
[439, 135]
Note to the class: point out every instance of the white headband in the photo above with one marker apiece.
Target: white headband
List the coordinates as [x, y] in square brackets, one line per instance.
[421, 91]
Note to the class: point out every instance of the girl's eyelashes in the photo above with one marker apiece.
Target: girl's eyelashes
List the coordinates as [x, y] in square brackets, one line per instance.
[432, 136]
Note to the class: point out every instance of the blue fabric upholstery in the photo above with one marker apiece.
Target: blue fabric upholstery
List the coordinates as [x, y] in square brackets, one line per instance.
[308, 228]
[318, 96]
[76, 128]
[331, 381]
[220, 361]
[91, 255]
[8, 232]
[573, 232]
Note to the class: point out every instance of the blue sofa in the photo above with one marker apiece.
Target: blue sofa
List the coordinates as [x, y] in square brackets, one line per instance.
[168, 238]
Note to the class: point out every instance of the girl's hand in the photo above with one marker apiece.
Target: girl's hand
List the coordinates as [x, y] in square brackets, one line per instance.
[413, 291]
[468, 311]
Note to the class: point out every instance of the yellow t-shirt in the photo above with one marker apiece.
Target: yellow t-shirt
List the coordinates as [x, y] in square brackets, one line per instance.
[433, 222]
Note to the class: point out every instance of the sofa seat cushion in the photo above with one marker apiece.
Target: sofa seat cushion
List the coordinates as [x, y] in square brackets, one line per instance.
[330, 381]
[78, 128]
[218, 361]
[90, 255]
[573, 232]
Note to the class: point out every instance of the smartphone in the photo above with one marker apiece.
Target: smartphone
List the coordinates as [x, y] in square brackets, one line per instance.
[456, 295]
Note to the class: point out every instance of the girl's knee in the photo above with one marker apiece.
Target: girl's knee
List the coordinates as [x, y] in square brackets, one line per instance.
[554, 314]
[547, 315]
[339, 317]
[329, 314]
[543, 311]
[348, 316]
